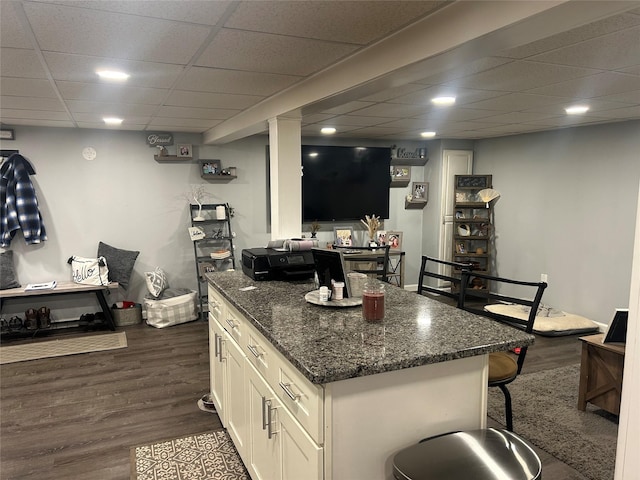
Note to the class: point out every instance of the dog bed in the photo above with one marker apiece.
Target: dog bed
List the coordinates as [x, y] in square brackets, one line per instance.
[549, 322]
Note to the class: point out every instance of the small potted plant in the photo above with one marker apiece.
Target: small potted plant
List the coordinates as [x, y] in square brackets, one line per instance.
[372, 223]
[315, 226]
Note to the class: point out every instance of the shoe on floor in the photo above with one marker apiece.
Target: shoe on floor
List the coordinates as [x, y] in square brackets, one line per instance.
[44, 317]
[31, 319]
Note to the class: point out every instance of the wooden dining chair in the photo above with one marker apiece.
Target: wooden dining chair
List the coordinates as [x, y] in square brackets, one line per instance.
[503, 368]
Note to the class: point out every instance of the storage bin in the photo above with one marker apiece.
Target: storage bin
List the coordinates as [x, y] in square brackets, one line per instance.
[171, 311]
[127, 316]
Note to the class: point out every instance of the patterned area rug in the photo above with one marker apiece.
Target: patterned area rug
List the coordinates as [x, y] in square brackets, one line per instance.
[62, 347]
[206, 456]
[545, 413]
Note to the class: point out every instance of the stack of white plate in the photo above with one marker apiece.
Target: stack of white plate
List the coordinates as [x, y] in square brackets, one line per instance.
[220, 254]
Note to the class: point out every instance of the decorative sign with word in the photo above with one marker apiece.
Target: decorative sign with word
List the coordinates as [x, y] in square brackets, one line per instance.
[400, 153]
[157, 139]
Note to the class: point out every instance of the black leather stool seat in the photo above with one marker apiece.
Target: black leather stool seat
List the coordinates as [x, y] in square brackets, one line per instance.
[489, 454]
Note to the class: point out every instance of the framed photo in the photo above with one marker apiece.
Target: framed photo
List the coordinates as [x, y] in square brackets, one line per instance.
[420, 191]
[460, 248]
[7, 134]
[394, 239]
[206, 267]
[381, 237]
[210, 167]
[343, 236]
[400, 173]
[184, 150]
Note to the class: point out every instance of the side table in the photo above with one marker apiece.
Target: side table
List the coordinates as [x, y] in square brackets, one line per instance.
[601, 369]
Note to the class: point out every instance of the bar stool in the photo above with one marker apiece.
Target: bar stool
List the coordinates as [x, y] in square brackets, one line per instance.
[489, 454]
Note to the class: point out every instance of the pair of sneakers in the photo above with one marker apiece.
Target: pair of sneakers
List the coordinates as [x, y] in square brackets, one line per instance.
[35, 319]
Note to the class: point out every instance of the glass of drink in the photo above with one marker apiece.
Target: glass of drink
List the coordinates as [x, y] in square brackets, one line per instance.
[373, 301]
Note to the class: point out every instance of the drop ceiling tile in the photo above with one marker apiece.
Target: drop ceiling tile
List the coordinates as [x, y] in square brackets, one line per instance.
[568, 121]
[464, 96]
[625, 112]
[262, 52]
[515, 117]
[33, 114]
[111, 93]
[632, 96]
[633, 70]
[83, 106]
[521, 75]
[456, 114]
[357, 120]
[396, 110]
[37, 123]
[378, 130]
[203, 12]
[183, 122]
[27, 87]
[514, 101]
[597, 85]
[193, 112]
[315, 118]
[608, 52]
[465, 70]
[82, 68]
[12, 33]
[314, 130]
[15, 62]
[574, 36]
[393, 92]
[68, 29]
[32, 103]
[201, 79]
[595, 106]
[98, 118]
[359, 22]
[100, 125]
[347, 107]
[407, 123]
[211, 100]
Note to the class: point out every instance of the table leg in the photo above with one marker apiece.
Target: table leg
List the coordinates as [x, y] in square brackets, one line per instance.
[105, 309]
[584, 378]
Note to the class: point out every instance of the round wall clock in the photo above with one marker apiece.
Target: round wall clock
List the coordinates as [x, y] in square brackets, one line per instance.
[89, 153]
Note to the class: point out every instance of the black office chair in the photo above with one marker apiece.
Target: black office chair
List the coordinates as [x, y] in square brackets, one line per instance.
[477, 290]
[375, 260]
[430, 268]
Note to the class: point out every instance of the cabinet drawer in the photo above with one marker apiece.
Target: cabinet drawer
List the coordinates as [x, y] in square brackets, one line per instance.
[216, 304]
[303, 399]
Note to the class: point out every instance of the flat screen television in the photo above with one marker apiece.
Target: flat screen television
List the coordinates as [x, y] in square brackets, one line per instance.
[344, 183]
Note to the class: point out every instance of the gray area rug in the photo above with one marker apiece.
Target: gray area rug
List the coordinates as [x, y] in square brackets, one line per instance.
[206, 456]
[545, 413]
[61, 347]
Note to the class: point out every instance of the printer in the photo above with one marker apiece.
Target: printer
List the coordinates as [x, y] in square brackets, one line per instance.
[277, 264]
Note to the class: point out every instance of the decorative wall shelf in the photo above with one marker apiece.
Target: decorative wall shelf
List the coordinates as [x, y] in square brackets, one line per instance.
[412, 162]
[414, 205]
[171, 158]
[215, 177]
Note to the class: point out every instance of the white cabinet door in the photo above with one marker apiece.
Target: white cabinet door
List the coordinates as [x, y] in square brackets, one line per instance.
[217, 370]
[264, 448]
[301, 456]
[235, 405]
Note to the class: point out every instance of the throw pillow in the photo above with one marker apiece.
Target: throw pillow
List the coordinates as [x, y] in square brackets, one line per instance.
[7, 273]
[156, 282]
[120, 263]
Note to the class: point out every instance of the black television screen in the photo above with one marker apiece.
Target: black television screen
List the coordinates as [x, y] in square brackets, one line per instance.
[345, 183]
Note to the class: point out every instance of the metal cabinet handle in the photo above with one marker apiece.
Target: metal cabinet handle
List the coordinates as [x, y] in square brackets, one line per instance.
[264, 417]
[220, 347]
[254, 351]
[231, 323]
[215, 344]
[269, 431]
[287, 389]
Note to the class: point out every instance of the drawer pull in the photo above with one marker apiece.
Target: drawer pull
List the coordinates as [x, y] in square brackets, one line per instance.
[270, 432]
[231, 323]
[254, 351]
[287, 389]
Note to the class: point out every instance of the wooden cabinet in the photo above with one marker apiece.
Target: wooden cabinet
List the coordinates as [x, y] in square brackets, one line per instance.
[472, 224]
[269, 409]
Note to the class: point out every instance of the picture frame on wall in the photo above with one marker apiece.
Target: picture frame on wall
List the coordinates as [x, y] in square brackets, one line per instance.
[420, 191]
[343, 236]
[210, 167]
[184, 150]
[394, 240]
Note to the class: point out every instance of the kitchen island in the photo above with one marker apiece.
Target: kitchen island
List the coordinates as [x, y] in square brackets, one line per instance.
[315, 392]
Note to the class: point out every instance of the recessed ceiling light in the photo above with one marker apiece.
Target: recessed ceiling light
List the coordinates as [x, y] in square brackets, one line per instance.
[443, 101]
[112, 120]
[328, 130]
[313, 154]
[112, 75]
[576, 109]
[428, 134]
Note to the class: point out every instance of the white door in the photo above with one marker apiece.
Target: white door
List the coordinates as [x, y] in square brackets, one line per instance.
[301, 456]
[454, 162]
[217, 367]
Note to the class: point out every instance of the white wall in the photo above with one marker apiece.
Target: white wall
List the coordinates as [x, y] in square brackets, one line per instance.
[567, 209]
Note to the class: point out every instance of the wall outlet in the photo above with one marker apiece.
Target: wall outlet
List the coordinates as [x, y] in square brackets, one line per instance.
[543, 277]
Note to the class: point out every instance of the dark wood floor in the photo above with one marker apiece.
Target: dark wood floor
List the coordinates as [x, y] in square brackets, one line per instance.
[76, 417]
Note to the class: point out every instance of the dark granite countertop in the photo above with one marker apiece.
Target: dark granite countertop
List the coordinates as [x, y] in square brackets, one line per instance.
[328, 344]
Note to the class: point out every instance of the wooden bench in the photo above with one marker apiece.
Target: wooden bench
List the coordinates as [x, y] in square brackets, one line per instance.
[65, 288]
